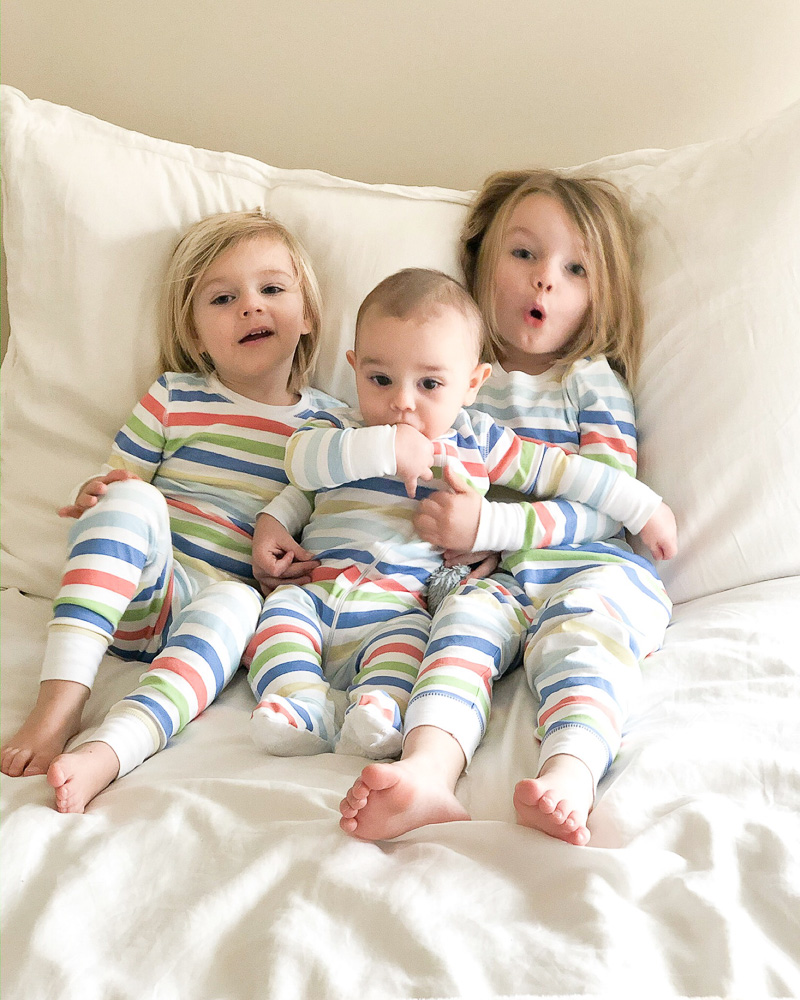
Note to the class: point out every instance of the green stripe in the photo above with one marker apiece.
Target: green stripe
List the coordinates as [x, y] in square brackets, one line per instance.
[171, 693]
[193, 529]
[261, 448]
[146, 433]
[111, 615]
[449, 681]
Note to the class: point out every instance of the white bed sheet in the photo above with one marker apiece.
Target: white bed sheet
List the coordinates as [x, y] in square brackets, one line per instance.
[246, 887]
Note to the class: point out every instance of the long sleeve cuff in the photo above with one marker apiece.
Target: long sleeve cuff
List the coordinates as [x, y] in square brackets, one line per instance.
[501, 527]
[291, 507]
[631, 502]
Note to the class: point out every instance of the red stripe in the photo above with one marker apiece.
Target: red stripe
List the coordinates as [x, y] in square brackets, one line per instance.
[394, 647]
[175, 666]
[578, 700]
[196, 419]
[104, 581]
[268, 633]
[511, 456]
[482, 671]
[615, 444]
[191, 509]
[279, 710]
[547, 521]
[152, 405]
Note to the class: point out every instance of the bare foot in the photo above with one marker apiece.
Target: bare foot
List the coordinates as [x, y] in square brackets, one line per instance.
[558, 802]
[54, 720]
[390, 799]
[81, 774]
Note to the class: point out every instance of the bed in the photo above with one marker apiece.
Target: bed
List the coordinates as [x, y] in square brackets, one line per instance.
[213, 871]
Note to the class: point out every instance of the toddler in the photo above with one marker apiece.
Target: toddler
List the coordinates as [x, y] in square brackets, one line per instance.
[160, 566]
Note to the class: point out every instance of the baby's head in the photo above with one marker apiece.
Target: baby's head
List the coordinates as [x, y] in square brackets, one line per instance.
[202, 244]
[604, 226]
[418, 343]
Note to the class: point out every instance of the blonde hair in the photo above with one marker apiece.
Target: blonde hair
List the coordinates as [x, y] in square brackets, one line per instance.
[197, 249]
[607, 228]
[422, 291]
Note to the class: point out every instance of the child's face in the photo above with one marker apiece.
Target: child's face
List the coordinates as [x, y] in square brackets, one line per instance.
[417, 371]
[541, 286]
[248, 314]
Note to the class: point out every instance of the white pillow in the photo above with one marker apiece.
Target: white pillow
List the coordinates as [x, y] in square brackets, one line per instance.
[92, 211]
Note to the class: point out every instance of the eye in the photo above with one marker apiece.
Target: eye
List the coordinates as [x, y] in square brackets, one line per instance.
[522, 254]
[271, 290]
[381, 380]
[221, 300]
[577, 269]
[429, 384]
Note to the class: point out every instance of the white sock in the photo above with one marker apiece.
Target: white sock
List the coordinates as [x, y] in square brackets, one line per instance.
[371, 728]
[278, 729]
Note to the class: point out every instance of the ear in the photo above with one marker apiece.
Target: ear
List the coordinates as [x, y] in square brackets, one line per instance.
[351, 358]
[476, 380]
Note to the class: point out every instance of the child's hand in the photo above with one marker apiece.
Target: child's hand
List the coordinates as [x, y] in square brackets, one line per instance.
[449, 519]
[277, 557]
[660, 534]
[413, 454]
[91, 491]
[483, 563]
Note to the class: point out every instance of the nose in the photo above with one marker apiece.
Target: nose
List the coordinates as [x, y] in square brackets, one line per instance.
[403, 398]
[250, 304]
[542, 278]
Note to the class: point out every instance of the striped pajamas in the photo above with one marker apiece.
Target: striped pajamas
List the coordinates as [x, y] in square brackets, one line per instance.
[159, 570]
[581, 609]
[361, 625]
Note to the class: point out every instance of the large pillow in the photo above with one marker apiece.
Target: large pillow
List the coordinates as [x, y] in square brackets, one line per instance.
[91, 212]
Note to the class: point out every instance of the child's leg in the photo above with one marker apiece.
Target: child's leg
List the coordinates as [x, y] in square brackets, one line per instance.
[201, 655]
[475, 637]
[582, 660]
[120, 550]
[295, 713]
[386, 667]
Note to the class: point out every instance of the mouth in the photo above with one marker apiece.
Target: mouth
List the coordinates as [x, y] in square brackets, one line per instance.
[535, 316]
[259, 334]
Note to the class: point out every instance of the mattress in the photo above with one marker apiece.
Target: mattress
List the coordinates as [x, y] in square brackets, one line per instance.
[214, 871]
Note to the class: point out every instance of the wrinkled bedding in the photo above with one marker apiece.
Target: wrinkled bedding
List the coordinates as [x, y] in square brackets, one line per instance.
[212, 871]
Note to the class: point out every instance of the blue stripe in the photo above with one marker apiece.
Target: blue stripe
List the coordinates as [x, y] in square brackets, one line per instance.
[76, 612]
[204, 650]
[160, 717]
[129, 447]
[215, 459]
[108, 547]
[242, 569]
[580, 680]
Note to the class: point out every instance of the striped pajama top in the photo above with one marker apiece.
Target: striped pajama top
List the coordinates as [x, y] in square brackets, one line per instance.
[585, 408]
[218, 459]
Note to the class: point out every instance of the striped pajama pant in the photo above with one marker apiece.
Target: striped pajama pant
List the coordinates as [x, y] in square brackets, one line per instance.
[358, 637]
[122, 585]
[582, 622]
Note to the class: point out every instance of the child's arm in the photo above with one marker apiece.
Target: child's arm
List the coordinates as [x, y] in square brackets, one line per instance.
[329, 451]
[136, 453]
[547, 471]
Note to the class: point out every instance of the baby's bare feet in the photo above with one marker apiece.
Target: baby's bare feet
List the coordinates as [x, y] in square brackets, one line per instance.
[54, 720]
[558, 802]
[390, 799]
[80, 775]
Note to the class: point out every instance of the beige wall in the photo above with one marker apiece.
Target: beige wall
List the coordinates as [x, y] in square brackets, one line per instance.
[411, 91]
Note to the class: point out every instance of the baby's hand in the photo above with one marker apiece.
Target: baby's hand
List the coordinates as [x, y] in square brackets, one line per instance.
[449, 519]
[660, 534]
[277, 557]
[90, 492]
[413, 454]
